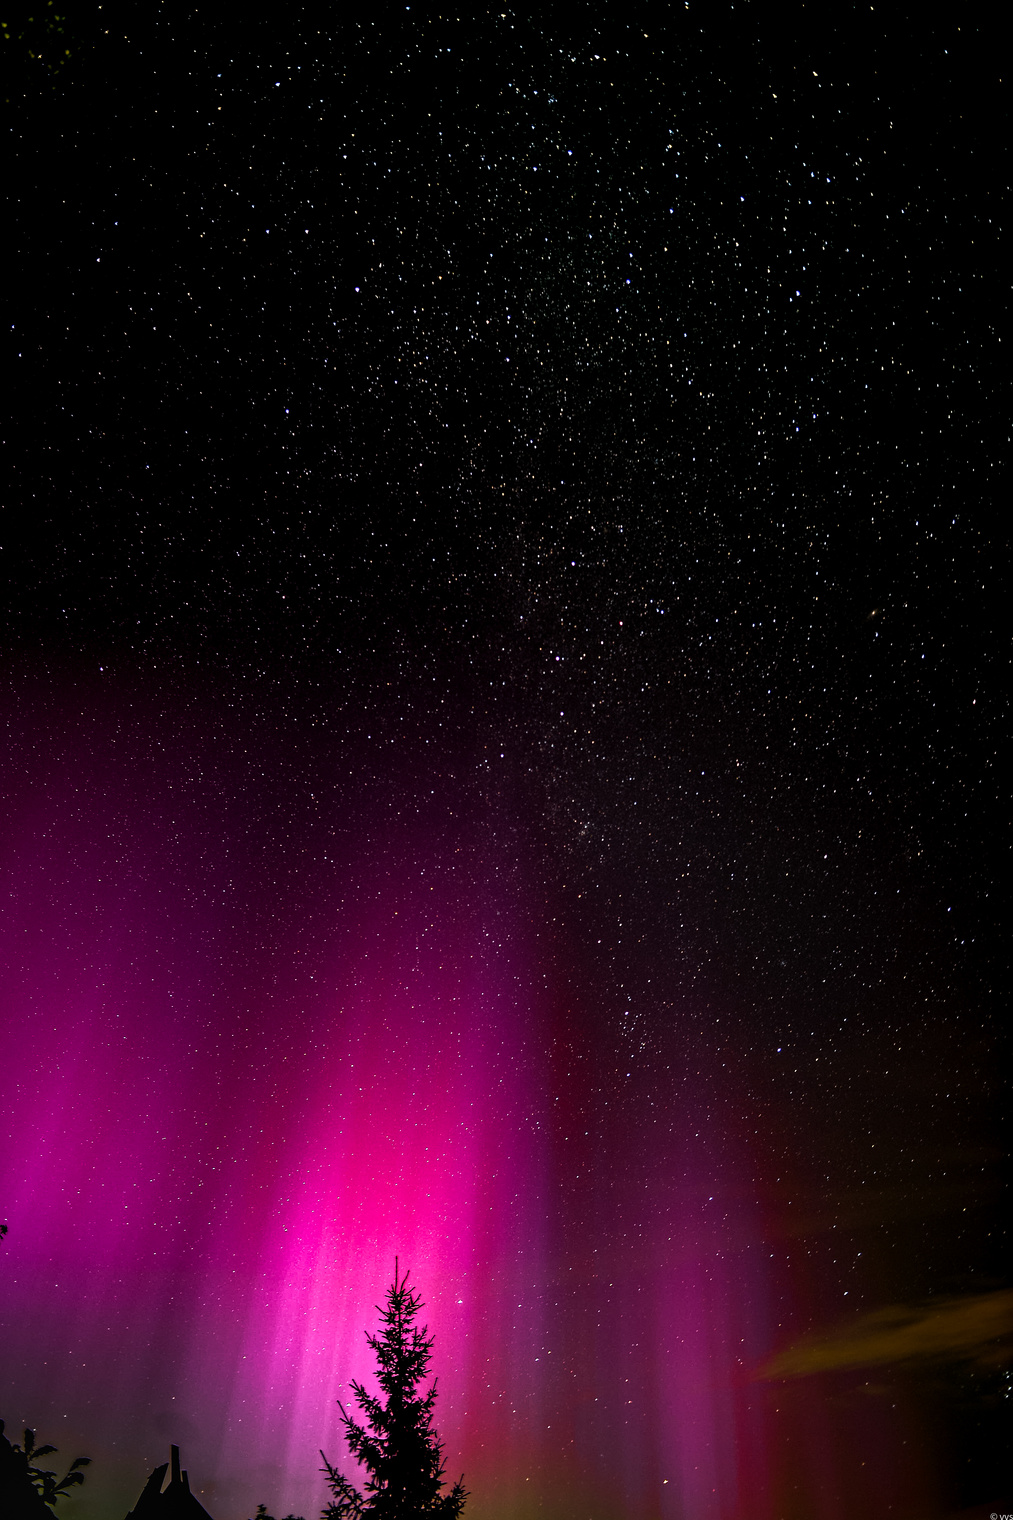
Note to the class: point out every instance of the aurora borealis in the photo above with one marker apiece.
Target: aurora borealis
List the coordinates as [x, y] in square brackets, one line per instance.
[500, 686]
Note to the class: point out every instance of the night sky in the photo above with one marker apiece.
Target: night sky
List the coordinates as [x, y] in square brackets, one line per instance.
[501, 671]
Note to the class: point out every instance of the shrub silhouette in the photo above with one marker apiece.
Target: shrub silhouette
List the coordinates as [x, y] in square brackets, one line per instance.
[25, 1488]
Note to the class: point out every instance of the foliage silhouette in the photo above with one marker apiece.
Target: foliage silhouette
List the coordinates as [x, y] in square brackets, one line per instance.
[34, 40]
[42, 1480]
[400, 1449]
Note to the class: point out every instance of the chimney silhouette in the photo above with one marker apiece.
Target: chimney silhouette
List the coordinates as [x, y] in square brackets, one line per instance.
[175, 1501]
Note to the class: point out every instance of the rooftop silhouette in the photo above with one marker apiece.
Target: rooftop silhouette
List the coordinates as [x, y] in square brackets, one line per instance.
[174, 1502]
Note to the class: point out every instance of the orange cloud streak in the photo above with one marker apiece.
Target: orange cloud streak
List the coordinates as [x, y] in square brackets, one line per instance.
[976, 1329]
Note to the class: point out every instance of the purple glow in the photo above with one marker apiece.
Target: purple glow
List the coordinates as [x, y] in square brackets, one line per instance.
[223, 1125]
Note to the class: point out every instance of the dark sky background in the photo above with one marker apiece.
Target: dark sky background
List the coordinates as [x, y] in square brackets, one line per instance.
[501, 601]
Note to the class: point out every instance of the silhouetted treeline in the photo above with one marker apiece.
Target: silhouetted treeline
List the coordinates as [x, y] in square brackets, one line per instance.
[398, 1446]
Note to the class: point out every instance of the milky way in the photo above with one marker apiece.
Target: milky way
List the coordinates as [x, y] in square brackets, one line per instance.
[499, 682]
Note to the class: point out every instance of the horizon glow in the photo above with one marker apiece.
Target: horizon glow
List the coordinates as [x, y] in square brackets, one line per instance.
[224, 1125]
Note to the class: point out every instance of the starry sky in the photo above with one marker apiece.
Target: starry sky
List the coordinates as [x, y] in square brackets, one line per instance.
[501, 684]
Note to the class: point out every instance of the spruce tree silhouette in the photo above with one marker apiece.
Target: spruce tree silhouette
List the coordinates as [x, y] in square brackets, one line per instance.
[400, 1450]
